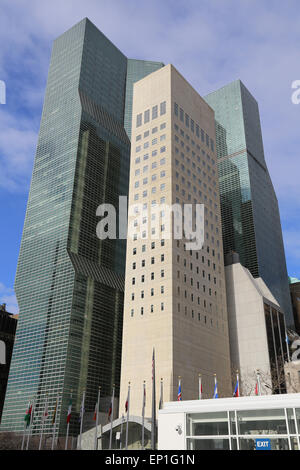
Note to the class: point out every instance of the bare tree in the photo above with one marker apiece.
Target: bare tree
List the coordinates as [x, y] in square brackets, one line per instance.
[272, 380]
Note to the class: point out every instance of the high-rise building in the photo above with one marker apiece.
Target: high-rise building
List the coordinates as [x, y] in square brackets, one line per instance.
[250, 215]
[8, 325]
[69, 284]
[295, 297]
[175, 300]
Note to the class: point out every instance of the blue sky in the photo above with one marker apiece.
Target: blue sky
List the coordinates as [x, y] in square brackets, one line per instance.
[211, 42]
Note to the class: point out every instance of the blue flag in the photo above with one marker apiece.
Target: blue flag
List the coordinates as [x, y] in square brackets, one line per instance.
[216, 390]
[287, 339]
[236, 392]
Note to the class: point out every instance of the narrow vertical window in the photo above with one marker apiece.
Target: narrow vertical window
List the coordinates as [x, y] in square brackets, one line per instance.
[146, 116]
[154, 112]
[163, 108]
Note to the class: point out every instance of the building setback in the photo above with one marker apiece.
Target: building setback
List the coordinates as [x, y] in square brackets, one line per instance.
[69, 284]
[250, 215]
[175, 300]
[257, 331]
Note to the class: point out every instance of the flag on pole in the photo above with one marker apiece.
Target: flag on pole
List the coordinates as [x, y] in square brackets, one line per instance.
[95, 412]
[216, 395]
[30, 414]
[127, 404]
[69, 410]
[179, 395]
[200, 387]
[287, 339]
[27, 416]
[161, 400]
[68, 421]
[54, 413]
[236, 392]
[257, 386]
[109, 411]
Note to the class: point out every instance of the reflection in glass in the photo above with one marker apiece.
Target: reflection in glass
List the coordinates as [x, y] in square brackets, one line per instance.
[208, 444]
[207, 424]
[262, 422]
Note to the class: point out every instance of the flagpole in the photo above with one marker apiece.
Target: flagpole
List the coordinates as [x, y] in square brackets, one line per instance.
[161, 400]
[127, 418]
[23, 440]
[68, 423]
[111, 416]
[179, 393]
[287, 346]
[200, 387]
[30, 424]
[42, 430]
[121, 431]
[25, 427]
[216, 395]
[81, 418]
[43, 421]
[236, 392]
[97, 414]
[153, 418]
[258, 382]
[54, 424]
[143, 415]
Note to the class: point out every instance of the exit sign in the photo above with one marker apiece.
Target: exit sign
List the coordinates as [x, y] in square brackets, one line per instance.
[263, 444]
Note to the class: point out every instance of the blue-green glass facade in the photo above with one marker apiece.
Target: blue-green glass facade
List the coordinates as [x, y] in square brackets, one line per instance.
[250, 215]
[69, 284]
[136, 70]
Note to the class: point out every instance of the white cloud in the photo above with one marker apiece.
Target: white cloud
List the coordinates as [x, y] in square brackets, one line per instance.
[17, 148]
[210, 42]
[199, 38]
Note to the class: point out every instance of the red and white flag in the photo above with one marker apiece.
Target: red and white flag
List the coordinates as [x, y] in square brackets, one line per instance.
[69, 410]
[95, 412]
